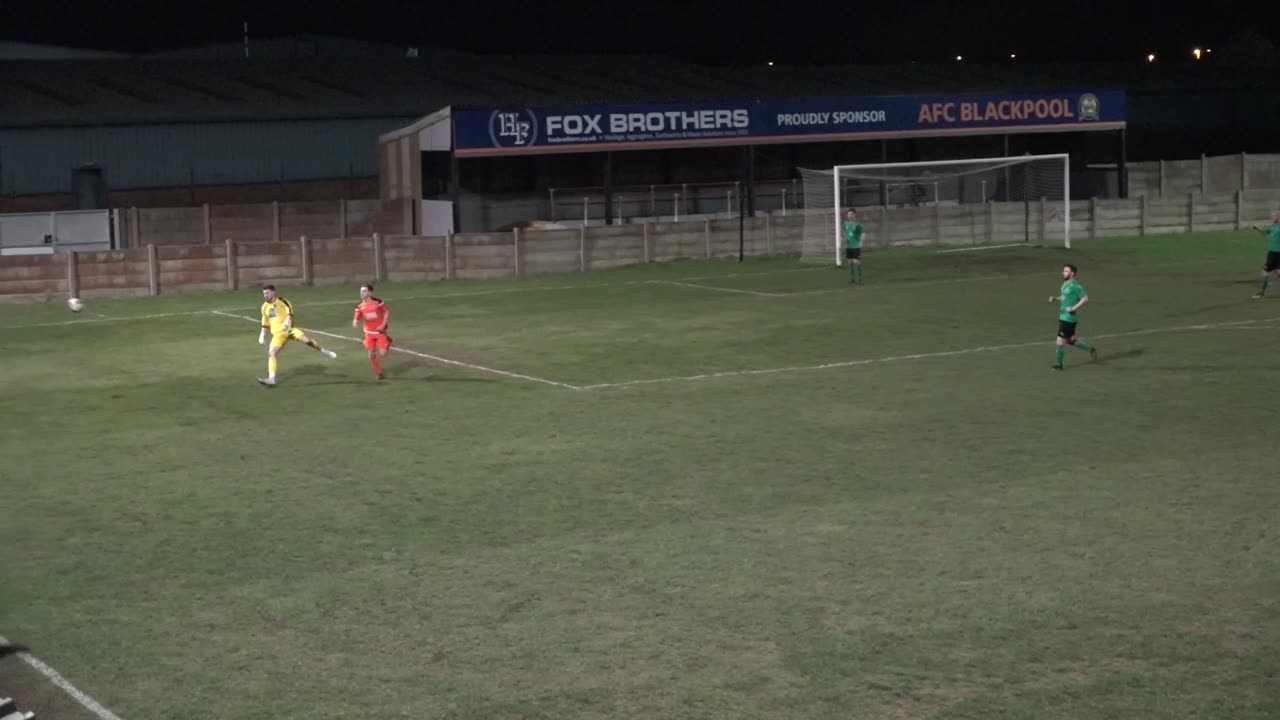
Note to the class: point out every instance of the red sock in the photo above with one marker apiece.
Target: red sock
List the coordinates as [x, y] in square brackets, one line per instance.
[377, 366]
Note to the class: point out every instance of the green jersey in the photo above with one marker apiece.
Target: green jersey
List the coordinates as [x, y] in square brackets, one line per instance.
[852, 234]
[1071, 293]
[1273, 237]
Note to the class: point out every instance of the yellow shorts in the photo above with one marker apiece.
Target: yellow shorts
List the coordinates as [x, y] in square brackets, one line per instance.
[280, 338]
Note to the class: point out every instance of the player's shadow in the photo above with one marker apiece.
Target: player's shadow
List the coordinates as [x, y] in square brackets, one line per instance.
[324, 375]
[405, 374]
[315, 370]
[1123, 355]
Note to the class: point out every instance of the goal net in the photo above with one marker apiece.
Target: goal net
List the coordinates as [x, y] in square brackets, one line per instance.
[984, 201]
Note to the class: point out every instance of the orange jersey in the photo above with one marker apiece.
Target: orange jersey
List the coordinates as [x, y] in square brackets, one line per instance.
[374, 312]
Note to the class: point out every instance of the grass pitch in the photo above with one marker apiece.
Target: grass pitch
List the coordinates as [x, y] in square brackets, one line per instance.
[695, 490]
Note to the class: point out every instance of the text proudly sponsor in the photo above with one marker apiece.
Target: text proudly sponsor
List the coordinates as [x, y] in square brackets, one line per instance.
[841, 117]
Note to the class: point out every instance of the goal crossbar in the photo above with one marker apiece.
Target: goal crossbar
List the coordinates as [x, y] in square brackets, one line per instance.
[1009, 160]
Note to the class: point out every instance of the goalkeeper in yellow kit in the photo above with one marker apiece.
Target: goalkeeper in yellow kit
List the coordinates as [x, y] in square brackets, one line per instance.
[277, 316]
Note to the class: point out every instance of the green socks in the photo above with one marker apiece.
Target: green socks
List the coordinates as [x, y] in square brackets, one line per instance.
[1266, 280]
[1061, 350]
[855, 273]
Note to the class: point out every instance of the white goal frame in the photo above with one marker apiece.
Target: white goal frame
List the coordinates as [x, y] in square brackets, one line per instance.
[1010, 159]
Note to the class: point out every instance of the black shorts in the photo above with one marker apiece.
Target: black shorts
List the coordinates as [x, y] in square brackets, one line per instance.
[852, 253]
[1066, 330]
[1272, 263]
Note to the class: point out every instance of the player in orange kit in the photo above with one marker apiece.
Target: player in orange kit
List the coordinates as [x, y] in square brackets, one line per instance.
[375, 314]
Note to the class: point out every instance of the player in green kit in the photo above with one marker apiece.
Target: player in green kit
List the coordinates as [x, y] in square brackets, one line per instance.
[1071, 299]
[853, 231]
[1272, 262]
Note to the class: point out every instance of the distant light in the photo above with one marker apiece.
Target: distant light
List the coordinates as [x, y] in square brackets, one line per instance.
[770, 63]
[1208, 50]
[959, 58]
[1013, 56]
[1196, 53]
[1151, 57]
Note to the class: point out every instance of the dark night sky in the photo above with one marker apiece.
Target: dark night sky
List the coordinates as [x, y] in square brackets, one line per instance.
[794, 31]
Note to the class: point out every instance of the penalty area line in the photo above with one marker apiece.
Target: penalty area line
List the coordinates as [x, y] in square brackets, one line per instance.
[1238, 324]
[425, 356]
[551, 288]
[713, 287]
[105, 318]
[981, 247]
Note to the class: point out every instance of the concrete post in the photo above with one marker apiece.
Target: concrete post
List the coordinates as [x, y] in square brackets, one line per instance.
[379, 259]
[153, 268]
[305, 256]
[233, 273]
[515, 252]
[73, 274]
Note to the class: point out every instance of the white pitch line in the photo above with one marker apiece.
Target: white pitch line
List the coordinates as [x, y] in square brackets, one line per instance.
[981, 247]
[65, 685]
[507, 291]
[914, 356]
[547, 288]
[429, 296]
[891, 284]
[1258, 326]
[122, 318]
[427, 356]
[473, 293]
[713, 287]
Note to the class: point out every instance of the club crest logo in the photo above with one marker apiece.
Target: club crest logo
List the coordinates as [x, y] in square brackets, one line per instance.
[1088, 107]
[517, 128]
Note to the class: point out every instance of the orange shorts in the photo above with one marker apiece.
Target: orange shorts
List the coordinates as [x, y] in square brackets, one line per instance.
[379, 341]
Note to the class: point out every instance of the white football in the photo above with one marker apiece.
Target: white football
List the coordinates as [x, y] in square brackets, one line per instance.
[76, 304]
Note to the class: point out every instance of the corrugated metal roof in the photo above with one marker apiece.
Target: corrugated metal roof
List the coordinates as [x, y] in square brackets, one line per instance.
[150, 90]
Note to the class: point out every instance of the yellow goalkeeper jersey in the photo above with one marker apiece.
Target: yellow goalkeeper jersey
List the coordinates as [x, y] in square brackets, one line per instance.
[274, 314]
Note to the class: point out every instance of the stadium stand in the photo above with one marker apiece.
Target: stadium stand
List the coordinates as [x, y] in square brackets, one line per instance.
[197, 86]
[311, 107]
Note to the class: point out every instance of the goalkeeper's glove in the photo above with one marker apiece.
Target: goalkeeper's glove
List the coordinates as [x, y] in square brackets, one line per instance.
[262, 336]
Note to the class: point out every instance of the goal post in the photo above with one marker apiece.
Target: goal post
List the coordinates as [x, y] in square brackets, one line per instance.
[940, 202]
